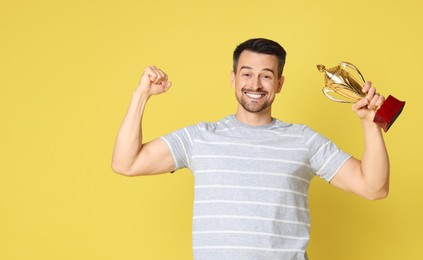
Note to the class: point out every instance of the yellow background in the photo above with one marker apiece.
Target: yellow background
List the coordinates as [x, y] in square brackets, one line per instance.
[67, 72]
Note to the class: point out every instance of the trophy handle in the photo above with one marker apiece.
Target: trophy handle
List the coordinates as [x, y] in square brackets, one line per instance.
[347, 65]
[327, 91]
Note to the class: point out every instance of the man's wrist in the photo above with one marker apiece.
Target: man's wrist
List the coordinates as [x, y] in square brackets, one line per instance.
[140, 96]
[370, 125]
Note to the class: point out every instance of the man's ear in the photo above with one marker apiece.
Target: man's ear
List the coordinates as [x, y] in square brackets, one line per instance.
[280, 83]
[233, 79]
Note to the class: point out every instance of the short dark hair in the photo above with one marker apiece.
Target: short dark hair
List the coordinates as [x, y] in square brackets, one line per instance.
[264, 46]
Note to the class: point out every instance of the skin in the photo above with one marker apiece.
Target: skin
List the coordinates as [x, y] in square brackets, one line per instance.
[256, 85]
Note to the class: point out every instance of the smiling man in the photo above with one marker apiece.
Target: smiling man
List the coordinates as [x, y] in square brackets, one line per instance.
[252, 171]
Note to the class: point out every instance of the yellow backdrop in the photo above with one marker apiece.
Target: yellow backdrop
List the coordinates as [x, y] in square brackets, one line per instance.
[67, 72]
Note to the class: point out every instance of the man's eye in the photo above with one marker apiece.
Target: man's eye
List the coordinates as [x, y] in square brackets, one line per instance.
[246, 74]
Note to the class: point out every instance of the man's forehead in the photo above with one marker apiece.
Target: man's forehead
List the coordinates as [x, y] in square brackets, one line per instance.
[257, 61]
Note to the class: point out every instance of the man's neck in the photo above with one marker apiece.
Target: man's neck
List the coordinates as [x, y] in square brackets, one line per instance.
[254, 119]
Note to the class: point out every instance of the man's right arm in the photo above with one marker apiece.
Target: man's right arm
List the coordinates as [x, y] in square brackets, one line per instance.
[131, 156]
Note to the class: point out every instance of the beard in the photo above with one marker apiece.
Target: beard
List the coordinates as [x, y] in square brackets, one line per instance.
[253, 106]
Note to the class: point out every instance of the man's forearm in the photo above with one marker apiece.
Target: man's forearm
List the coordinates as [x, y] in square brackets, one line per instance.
[375, 161]
[129, 139]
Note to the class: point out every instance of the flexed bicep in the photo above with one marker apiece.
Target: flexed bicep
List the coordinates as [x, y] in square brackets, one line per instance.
[154, 158]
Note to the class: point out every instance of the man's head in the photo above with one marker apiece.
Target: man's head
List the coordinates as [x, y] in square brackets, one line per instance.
[257, 76]
[262, 46]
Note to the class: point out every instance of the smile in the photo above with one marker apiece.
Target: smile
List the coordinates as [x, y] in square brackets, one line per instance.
[254, 95]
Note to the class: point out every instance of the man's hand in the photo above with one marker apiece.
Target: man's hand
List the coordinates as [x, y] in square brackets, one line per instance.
[366, 107]
[153, 82]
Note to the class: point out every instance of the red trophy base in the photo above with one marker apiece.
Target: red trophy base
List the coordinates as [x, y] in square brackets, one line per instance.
[388, 112]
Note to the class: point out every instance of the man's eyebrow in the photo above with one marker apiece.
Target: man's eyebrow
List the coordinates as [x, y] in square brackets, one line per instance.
[245, 67]
[267, 69]
[250, 68]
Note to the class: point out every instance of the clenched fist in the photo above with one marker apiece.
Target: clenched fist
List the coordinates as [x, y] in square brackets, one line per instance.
[153, 82]
[366, 107]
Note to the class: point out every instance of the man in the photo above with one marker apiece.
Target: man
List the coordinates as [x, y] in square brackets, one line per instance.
[252, 172]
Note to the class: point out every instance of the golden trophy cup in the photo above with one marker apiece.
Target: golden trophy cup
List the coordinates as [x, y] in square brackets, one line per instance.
[344, 84]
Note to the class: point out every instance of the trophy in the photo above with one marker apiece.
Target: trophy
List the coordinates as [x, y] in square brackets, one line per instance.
[344, 83]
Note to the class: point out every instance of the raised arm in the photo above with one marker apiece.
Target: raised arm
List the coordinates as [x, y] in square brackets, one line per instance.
[131, 156]
[369, 177]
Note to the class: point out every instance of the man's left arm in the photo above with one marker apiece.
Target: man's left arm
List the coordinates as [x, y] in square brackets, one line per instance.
[368, 177]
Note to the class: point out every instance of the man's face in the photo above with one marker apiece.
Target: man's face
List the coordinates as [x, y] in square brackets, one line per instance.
[256, 81]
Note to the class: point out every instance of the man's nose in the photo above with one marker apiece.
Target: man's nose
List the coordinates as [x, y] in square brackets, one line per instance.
[256, 84]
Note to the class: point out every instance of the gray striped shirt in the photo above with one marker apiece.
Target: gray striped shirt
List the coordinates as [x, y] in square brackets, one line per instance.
[251, 186]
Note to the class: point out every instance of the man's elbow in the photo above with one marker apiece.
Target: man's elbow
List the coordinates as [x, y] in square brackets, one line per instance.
[118, 169]
[131, 171]
[379, 195]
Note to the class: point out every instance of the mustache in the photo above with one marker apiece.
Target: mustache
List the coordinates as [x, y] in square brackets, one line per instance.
[258, 91]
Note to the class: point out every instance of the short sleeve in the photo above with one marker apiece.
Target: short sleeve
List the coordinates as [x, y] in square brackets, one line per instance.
[325, 157]
[180, 146]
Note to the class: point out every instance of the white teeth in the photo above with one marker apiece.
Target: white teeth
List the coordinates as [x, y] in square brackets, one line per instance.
[254, 95]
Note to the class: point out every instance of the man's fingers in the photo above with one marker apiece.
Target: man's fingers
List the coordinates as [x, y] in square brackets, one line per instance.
[360, 104]
[160, 75]
[380, 101]
[370, 93]
[374, 101]
[167, 85]
[155, 75]
[367, 86]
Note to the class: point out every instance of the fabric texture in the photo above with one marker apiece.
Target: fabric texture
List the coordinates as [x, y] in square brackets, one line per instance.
[251, 186]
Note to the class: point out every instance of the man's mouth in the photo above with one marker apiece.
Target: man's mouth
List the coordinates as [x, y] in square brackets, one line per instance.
[254, 95]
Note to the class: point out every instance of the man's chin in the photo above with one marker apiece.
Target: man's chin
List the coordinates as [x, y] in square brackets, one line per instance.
[255, 109]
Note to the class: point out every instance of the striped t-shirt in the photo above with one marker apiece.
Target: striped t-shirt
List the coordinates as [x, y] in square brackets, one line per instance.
[251, 186]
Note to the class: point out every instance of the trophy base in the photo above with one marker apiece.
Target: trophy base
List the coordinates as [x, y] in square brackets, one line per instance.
[388, 112]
